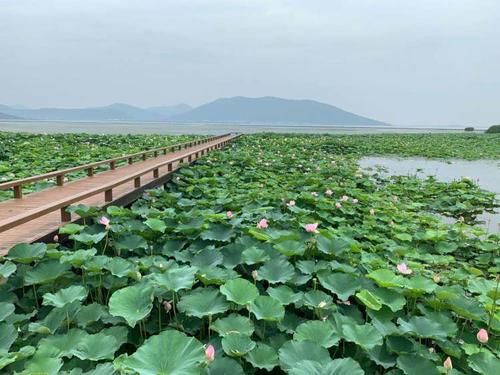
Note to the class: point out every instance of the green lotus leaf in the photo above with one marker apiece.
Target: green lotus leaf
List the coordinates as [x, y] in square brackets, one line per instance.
[218, 232]
[8, 334]
[233, 323]
[386, 278]
[71, 228]
[343, 285]
[96, 347]
[89, 314]
[203, 302]
[11, 357]
[170, 352]
[267, 308]
[41, 364]
[102, 369]
[27, 253]
[276, 271]
[332, 246]
[240, 291]
[46, 272]
[341, 366]
[132, 303]
[381, 356]
[208, 257]
[369, 300]
[320, 332]
[484, 363]
[310, 267]
[215, 275]
[318, 299]
[120, 267]
[50, 323]
[365, 335]
[224, 366]
[263, 356]
[437, 326]
[284, 294]
[391, 298]
[6, 269]
[412, 364]
[156, 225]
[65, 296]
[291, 248]
[237, 344]
[259, 234]
[62, 345]
[77, 258]
[418, 285]
[89, 238]
[292, 352]
[254, 255]
[175, 279]
[6, 310]
[130, 242]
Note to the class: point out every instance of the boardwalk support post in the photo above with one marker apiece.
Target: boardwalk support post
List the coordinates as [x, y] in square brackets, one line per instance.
[65, 215]
[108, 195]
[137, 182]
[60, 180]
[156, 173]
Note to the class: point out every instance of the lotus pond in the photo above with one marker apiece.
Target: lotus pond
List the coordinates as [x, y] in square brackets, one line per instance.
[23, 154]
[276, 255]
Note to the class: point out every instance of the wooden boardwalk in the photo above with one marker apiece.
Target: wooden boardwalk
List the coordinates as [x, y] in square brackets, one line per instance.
[37, 216]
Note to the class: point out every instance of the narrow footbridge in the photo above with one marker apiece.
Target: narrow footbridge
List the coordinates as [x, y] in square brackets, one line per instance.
[37, 216]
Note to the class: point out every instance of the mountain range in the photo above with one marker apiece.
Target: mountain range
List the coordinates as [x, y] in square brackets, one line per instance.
[264, 110]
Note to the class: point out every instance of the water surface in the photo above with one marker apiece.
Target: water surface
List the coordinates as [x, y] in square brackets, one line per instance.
[486, 173]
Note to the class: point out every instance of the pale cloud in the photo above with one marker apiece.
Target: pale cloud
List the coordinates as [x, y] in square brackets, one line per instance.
[400, 61]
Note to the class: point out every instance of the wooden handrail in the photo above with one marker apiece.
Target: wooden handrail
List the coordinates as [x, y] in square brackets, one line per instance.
[62, 204]
[59, 174]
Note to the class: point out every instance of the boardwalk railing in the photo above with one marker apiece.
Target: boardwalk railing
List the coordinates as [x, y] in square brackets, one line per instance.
[63, 203]
[59, 175]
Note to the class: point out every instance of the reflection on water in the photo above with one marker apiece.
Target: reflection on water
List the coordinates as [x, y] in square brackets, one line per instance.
[486, 173]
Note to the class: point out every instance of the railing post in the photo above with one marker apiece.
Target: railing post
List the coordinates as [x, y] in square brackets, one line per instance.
[65, 215]
[137, 182]
[112, 165]
[164, 151]
[144, 156]
[60, 180]
[155, 154]
[169, 167]
[189, 158]
[156, 173]
[18, 191]
[90, 172]
[181, 161]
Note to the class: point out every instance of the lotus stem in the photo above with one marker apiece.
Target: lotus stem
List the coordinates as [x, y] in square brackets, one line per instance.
[36, 297]
[494, 307]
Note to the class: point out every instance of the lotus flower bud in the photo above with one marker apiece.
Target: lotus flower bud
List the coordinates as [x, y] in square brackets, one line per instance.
[482, 336]
[447, 364]
[56, 238]
[210, 353]
[255, 274]
[322, 304]
[167, 306]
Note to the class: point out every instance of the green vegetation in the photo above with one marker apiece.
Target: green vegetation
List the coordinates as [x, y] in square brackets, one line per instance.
[277, 254]
[23, 155]
[493, 129]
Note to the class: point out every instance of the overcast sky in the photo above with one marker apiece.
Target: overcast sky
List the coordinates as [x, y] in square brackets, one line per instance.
[427, 62]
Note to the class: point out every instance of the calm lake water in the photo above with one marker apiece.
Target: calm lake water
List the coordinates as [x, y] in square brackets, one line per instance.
[486, 173]
[204, 128]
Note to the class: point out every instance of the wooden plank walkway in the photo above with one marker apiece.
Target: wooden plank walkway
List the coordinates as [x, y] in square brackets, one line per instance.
[39, 215]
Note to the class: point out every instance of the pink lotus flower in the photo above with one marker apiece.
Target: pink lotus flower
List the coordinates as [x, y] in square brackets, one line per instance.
[104, 221]
[338, 205]
[482, 336]
[447, 364]
[311, 228]
[329, 192]
[291, 203]
[403, 269]
[56, 238]
[229, 214]
[355, 201]
[262, 224]
[210, 353]
[344, 198]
